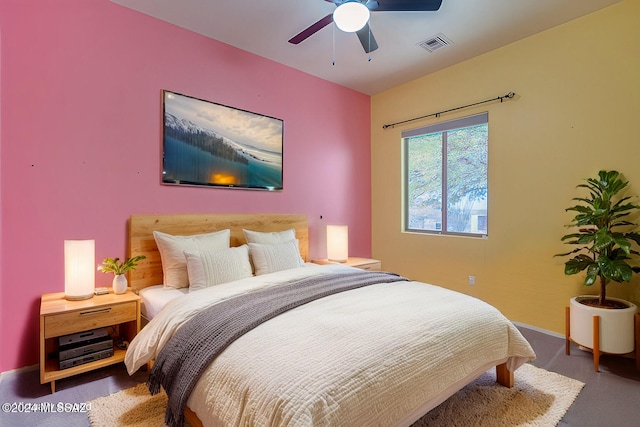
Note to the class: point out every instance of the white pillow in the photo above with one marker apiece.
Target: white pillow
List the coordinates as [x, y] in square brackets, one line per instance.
[213, 267]
[269, 238]
[275, 257]
[174, 263]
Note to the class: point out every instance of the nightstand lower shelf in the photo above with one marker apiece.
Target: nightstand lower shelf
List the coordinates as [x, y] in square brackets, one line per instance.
[53, 372]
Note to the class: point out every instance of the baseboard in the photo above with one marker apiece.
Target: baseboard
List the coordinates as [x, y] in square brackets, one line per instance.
[19, 370]
[534, 328]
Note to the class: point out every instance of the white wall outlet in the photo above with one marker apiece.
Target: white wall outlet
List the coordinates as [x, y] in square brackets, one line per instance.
[472, 280]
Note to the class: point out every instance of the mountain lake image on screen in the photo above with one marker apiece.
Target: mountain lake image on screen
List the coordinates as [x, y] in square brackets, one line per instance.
[209, 144]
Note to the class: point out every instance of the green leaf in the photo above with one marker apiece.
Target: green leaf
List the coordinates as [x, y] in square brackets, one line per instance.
[580, 208]
[617, 271]
[577, 264]
[603, 239]
[625, 272]
[593, 272]
[571, 252]
[622, 242]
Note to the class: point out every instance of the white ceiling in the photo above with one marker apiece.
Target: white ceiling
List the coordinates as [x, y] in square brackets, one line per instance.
[263, 27]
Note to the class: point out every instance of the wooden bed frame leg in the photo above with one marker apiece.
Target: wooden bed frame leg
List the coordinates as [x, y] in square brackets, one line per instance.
[504, 376]
[192, 418]
[567, 331]
[596, 343]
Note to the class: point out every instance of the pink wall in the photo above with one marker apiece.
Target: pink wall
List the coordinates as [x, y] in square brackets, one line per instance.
[80, 100]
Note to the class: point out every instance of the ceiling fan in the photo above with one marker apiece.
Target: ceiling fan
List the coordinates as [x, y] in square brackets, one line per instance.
[363, 31]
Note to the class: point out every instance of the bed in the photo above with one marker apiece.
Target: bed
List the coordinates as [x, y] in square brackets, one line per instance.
[382, 354]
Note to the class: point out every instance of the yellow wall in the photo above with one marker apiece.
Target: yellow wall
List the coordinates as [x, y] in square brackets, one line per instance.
[577, 111]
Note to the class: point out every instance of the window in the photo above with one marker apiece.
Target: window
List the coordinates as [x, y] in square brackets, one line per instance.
[445, 181]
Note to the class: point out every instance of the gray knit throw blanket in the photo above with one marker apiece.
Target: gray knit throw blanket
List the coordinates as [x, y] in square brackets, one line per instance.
[196, 343]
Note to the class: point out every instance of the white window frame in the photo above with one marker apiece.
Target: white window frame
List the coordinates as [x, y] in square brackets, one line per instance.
[443, 127]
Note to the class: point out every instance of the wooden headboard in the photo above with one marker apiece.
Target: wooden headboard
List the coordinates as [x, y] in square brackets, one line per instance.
[141, 241]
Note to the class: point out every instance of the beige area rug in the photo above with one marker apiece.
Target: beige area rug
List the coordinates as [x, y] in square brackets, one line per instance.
[539, 398]
[133, 407]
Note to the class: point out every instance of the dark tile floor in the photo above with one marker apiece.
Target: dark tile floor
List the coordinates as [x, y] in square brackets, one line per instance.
[25, 387]
[609, 398]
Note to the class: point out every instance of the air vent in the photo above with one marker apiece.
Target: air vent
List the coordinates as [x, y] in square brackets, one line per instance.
[435, 42]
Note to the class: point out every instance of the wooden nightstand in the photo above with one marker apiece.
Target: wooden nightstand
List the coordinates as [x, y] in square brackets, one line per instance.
[362, 263]
[120, 314]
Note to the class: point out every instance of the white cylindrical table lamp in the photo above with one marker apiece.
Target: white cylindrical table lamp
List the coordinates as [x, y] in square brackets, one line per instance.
[79, 269]
[337, 243]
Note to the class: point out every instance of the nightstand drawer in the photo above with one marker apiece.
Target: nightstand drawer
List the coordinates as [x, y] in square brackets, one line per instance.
[89, 318]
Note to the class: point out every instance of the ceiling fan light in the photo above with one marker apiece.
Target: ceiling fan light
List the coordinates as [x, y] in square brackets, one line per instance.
[351, 16]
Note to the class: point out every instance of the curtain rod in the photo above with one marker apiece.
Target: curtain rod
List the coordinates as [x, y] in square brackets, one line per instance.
[508, 95]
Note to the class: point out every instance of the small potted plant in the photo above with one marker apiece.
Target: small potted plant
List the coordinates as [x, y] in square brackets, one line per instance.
[118, 268]
[604, 238]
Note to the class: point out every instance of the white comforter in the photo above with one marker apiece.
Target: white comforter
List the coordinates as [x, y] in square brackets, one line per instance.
[376, 356]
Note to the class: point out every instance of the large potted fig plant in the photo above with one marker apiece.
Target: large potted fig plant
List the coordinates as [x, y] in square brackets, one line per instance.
[604, 237]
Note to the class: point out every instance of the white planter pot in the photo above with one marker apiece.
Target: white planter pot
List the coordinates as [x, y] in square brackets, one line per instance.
[119, 284]
[616, 326]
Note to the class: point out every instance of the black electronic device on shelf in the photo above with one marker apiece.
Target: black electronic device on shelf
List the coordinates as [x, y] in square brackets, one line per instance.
[84, 347]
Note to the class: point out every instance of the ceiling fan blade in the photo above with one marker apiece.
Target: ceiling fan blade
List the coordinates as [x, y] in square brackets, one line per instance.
[407, 5]
[367, 40]
[312, 29]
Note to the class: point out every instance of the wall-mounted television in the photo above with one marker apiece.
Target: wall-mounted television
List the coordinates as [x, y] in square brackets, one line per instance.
[213, 145]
